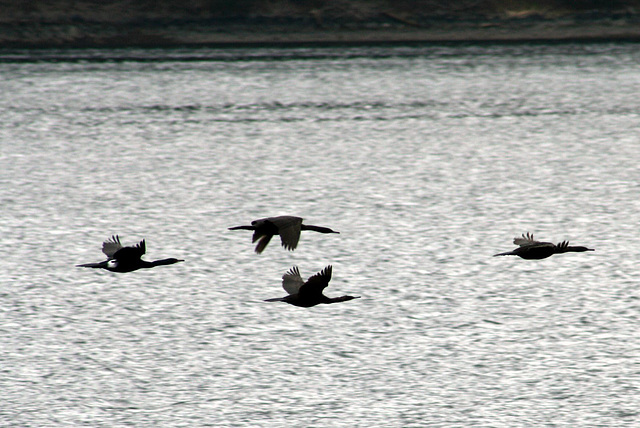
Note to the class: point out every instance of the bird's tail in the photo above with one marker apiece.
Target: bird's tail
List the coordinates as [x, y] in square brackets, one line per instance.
[508, 253]
[242, 228]
[93, 265]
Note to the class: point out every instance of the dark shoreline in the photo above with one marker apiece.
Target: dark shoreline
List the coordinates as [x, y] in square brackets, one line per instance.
[201, 34]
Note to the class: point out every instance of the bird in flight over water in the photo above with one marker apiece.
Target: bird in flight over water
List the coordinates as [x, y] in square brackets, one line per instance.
[126, 259]
[288, 227]
[309, 293]
[531, 249]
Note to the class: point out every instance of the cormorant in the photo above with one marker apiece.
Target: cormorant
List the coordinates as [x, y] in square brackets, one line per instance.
[126, 259]
[288, 227]
[531, 249]
[307, 294]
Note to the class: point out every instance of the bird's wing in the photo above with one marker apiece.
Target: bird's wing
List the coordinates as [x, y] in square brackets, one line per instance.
[292, 281]
[562, 245]
[289, 229]
[263, 241]
[262, 233]
[526, 239]
[131, 253]
[259, 232]
[318, 282]
[111, 246]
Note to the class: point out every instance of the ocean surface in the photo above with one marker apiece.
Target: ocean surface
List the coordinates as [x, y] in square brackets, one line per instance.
[428, 160]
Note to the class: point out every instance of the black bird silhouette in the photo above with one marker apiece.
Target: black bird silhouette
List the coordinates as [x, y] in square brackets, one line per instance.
[531, 249]
[126, 259]
[307, 294]
[288, 227]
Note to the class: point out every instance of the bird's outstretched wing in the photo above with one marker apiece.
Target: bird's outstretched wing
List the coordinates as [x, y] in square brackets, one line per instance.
[264, 230]
[111, 246]
[131, 253]
[526, 239]
[289, 229]
[292, 281]
[317, 283]
[263, 241]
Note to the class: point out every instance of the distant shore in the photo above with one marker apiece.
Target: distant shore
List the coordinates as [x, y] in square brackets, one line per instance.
[78, 31]
[74, 36]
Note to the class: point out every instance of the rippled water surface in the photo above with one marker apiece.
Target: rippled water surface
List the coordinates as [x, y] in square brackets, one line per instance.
[428, 160]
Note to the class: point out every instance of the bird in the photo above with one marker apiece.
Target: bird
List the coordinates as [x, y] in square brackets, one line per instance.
[308, 294]
[531, 249]
[126, 259]
[287, 226]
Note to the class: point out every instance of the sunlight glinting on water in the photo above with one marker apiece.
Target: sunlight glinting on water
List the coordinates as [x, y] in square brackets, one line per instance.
[428, 160]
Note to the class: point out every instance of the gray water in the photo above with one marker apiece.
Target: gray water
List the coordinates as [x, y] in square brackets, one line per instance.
[428, 160]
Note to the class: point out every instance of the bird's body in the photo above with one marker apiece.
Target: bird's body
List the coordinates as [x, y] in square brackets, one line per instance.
[126, 259]
[530, 249]
[288, 227]
[309, 293]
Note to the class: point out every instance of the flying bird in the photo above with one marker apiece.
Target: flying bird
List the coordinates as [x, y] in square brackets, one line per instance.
[531, 249]
[288, 227]
[307, 294]
[126, 259]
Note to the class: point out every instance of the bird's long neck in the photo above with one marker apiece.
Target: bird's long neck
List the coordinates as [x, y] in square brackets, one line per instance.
[317, 228]
[162, 262]
[251, 227]
[339, 299]
[577, 249]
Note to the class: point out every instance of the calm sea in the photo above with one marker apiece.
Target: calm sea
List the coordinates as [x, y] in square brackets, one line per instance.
[427, 159]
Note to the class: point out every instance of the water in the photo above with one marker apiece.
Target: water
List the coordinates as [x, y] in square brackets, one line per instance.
[428, 160]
